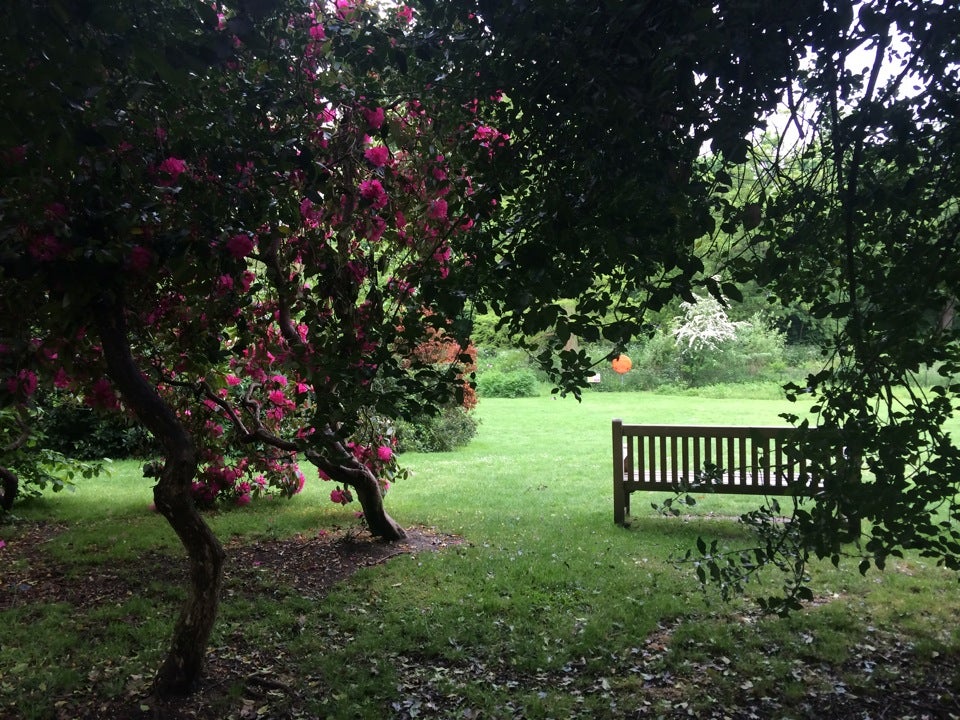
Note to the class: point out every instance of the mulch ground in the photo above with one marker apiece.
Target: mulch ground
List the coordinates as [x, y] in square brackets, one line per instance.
[909, 690]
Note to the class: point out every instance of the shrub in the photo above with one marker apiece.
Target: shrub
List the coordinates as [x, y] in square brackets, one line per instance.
[454, 427]
[502, 360]
[80, 432]
[513, 384]
[485, 332]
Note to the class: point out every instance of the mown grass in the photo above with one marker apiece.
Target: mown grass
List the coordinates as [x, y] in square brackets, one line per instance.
[546, 610]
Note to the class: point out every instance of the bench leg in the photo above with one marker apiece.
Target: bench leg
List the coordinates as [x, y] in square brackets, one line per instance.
[621, 504]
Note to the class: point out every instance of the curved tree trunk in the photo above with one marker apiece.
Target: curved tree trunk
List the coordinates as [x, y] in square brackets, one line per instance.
[182, 668]
[365, 485]
[371, 500]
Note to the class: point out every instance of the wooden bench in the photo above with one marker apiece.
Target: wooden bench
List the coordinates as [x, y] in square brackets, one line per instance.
[725, 459]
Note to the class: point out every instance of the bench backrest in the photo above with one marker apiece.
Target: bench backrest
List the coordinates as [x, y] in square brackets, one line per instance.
[753, 460]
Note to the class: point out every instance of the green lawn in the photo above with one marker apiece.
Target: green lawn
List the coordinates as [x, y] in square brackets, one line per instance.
[546, 610]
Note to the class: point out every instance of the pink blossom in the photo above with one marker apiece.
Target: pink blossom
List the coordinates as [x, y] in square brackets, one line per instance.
[240, 245]
[378, 155]
[246, 280]
[302, 388]
[372, 191]
[374, 117]
[341, 496]
[56, 211]
[384, 453]
[61, 380]
[405, 14]
[233, 380]
[102, 396]
[317, 33]
[140, 259]
[279, 380]
[437, 209]
[224, 284]
[45, 248]
[2, 544]
[243, 499]
[322, 474]
[24, 384]
[346, 9]
[277, 397]
[174, 167]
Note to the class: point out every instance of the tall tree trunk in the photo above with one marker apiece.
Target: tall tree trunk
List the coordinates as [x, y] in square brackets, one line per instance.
[183, 666]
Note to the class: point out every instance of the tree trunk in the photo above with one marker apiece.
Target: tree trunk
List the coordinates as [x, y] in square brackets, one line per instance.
[182, 668]
[371, 500]
[358, 476]
[8, 485]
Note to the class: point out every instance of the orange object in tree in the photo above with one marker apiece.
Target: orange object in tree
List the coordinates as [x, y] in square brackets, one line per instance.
[622, 364]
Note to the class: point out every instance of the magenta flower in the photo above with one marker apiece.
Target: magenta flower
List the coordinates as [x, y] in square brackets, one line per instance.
[24, 384]
[373, 116]
[384, 453]
[45, 248]
[233, 380]
[140, 259]
[346, 9]
[102, 396]
[405, 14]
[240, 246]
[373, 192]
[61, 380]
[56, 211]
[437, 209]
[301, 481]
[378, 155]
[174, 167]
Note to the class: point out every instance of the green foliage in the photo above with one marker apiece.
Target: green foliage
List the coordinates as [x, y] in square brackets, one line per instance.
[80, 432]
[31, 465]
[511, 384]
[452, 428]
[486, 334]
[754, 352]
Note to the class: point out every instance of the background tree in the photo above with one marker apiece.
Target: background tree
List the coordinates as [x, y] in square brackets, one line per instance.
[608, 111]
[608, 190]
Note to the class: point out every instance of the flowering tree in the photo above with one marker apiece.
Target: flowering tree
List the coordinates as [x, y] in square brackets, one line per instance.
[233, 225]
